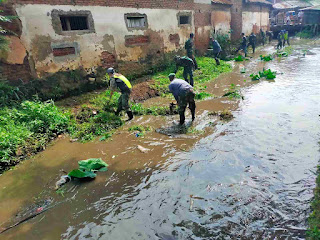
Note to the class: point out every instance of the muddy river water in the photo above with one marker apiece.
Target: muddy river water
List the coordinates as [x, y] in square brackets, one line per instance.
[249, 178]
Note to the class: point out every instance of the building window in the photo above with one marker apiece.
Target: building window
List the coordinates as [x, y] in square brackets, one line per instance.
[136, 21]
[73, 23]
[184, 18]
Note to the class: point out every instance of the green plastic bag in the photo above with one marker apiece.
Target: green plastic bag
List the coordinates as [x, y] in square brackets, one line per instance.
[93, 164]
[76, 173]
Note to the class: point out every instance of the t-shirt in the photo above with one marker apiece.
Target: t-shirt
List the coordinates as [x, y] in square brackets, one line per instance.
[179, 87]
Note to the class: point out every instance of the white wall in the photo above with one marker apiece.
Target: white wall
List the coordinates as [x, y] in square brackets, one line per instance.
[37, 25]
[253, 21]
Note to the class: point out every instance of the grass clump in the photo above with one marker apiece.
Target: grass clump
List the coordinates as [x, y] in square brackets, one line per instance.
[266, 58]
[96, 118]
[268, 74]
[239, 58]
[27, 128]
[203, 95]
[233, 92]
[225, 115]
[139, 130]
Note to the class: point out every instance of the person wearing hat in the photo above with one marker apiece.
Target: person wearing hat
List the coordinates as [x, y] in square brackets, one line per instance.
[184, 95]
[189, 48]
[122, 84]
[188, 66]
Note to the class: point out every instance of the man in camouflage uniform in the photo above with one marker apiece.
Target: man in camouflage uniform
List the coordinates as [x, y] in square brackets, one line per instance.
[189, 48]
[121, 83]
[188, 66]
[252, 41]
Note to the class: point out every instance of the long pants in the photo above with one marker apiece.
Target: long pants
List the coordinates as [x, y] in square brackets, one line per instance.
[123, 102]
[190, 55]
[244, 48]
[253, 45]
[286, 40]
[186, 99]
[216, 57]
[188, 72]
[279, 46]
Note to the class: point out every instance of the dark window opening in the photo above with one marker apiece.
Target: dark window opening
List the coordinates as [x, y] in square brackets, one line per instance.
[74, 23]
[136, 22]
[184, 19]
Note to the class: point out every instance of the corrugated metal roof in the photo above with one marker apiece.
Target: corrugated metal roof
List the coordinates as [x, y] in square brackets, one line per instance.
[313, 8]
[292, 5]
[227, 2]
[259, 1]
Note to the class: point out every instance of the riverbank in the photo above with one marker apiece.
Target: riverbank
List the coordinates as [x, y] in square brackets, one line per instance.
[314, 219]
[29, 127]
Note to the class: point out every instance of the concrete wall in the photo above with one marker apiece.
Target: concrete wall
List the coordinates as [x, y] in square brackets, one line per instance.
[221, 21]
[254, 18]
[111, 36]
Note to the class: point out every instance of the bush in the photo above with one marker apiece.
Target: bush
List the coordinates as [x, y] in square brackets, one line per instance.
[28, 127]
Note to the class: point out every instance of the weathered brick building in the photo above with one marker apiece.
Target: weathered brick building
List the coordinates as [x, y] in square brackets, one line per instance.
[56, 35]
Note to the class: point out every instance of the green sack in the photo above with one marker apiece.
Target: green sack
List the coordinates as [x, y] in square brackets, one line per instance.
[76, 173]
[93, 164]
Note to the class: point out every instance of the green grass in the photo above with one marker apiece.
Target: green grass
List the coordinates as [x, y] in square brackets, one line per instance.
[314, 219]
[28, 127]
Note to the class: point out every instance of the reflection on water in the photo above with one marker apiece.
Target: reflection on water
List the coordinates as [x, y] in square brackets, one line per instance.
[251, 178]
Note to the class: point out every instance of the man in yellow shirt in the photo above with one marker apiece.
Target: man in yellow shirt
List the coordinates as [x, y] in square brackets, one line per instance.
[122, 84]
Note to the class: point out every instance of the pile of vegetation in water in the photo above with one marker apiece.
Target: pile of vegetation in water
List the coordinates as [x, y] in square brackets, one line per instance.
[233, 92]
[239, 58]
[266, 58]
[268, 74]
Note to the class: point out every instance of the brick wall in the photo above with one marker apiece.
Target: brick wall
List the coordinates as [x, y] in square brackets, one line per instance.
[236, 19]
[136, 40]
[15, 73]
[173, 4]
[58, 52]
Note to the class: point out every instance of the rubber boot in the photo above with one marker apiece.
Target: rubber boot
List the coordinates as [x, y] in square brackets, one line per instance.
[182, 118]
[130, 115]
